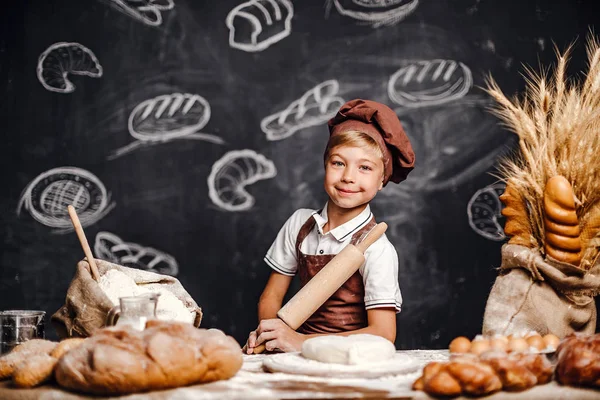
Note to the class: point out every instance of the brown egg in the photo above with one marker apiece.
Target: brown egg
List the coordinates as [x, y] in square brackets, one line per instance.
[460, 344]
[536, 341]
[517, 345]
[480, 346]
[551, 341]
[499, 343]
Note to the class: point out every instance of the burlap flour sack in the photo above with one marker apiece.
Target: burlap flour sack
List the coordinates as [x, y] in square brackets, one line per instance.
[546, 296]
[86, 305]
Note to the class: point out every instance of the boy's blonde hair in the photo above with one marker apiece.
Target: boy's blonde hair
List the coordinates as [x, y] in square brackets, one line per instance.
[353, 138]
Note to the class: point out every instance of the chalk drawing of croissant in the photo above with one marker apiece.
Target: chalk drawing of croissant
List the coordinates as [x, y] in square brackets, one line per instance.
[314, 107]
[147, 11]
[48, 195]
[257, 24]
[484, 210]
[62, 59]
[110, 247]
[232, 173]
[167, 117]
[429, 82]
[376, 12]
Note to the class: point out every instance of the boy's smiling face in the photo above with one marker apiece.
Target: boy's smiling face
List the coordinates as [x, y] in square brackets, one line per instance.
[353, 176]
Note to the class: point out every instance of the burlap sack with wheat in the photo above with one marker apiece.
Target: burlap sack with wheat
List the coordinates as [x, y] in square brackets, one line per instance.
[546, 296]
[86, 305]
[550, 272]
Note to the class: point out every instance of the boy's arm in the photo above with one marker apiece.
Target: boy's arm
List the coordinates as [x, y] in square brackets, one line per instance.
[272, 296]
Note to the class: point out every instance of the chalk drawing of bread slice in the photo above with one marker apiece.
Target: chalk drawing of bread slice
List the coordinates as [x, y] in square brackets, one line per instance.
[484, 210]
[257, 24]
[48, 195]
[110, 247]
[232, 173]
[314, 107]
[146, 11]
[376, 12]
[429, 82]
[167, 117]
[61, 59]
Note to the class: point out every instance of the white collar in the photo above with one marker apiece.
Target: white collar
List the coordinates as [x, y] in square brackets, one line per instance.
[341, 232]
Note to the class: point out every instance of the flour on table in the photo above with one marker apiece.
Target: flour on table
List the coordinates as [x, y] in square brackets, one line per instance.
[350, 350]
[116, 284]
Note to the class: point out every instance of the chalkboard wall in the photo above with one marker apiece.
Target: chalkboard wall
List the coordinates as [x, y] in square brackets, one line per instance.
[186, 132]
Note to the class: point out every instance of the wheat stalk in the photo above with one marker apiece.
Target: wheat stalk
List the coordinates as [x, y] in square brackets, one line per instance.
[557, 122]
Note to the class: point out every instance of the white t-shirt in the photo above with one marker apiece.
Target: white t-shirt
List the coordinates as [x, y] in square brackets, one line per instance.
[379, 271]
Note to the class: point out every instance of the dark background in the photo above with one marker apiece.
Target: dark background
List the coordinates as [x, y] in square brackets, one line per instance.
[161, 193]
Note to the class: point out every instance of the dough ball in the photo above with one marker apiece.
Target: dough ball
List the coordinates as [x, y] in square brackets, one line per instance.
[351, 350]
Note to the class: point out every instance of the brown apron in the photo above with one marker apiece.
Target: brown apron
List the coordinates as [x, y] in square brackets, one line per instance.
[345, 309]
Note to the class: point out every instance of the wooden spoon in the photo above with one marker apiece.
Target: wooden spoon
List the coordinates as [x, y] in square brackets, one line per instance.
[84, 242]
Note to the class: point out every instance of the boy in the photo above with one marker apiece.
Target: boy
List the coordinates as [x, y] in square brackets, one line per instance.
[367, 148]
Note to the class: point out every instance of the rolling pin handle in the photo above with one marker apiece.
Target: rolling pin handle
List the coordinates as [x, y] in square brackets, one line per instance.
[372, 236]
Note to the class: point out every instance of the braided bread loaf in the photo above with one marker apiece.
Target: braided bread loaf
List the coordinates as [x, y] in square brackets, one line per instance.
[480, 376]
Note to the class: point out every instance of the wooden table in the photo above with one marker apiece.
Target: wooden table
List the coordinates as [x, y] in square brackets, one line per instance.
[253, 383]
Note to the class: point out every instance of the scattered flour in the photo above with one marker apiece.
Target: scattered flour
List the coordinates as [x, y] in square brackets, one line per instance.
[116, 284]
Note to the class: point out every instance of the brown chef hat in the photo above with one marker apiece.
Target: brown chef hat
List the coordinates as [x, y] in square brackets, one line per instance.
[382, 124]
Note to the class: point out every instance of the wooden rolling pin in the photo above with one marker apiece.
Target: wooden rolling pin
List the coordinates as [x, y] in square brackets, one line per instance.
[326, 282]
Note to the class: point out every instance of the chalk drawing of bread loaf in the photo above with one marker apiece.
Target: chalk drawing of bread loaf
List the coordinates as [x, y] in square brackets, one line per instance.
[60, 60]
[429, 82]
[257, 24]
[147, 11]
[562, 241]
[377, 12]
[313, 108]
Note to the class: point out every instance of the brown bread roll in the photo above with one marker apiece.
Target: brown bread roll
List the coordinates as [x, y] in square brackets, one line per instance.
[579, 361]
[34, 371]
[562, 241]
[165, 355]
[65, 345]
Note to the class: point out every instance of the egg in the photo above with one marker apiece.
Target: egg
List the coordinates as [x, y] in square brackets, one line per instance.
[551, 341]
[517, 345]
[460, 344]
[499, 343]
[480, 346]
[536, 341]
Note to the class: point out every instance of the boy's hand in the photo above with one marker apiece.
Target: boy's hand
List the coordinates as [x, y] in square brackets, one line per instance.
[277, 335]
[250, 343]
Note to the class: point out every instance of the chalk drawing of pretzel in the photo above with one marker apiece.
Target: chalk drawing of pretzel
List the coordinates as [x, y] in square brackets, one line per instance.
[110, 247]
[167, 117]
[314, 107]
[48, 195]
[146, 11]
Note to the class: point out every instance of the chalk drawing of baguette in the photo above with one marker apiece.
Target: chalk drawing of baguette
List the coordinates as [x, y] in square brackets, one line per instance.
[167, 117]
[231, 174]
[257, 24]
[62, 59]
[110, 247]
[314, 107]
[429, 82]
[146, 11]
[48, 195]
[376, 12]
